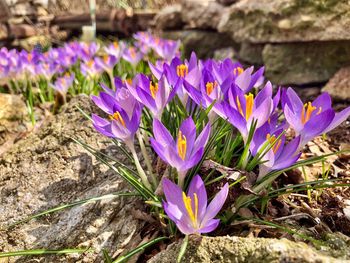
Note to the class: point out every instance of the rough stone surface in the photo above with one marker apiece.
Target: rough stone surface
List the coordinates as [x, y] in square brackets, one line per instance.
[339, 85]
[204, 43]
[237, 249]
[304, 63]
[48, 169]
[251, 53]
[266, 21]
[226, 2]
[202, 14]
[169, 18]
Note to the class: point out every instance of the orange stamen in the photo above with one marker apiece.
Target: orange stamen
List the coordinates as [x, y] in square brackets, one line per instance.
[153, 89]
[116, 116]
[238, 71]
[182, 70]
[181, 145]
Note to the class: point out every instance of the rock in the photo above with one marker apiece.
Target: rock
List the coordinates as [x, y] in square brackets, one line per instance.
[339, 85]
[239, 249]
[169, 18]
[251, 53]
[304, 63]
[193, 40]
[226, 2]
[12, 107]
[48, 169]
[202, 14]
[265, 21]
[223, 53]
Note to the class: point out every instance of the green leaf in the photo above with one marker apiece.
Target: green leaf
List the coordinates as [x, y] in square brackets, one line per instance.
[182, 249]
[76, 203]
[107, 258]
[43, 252]
[139, 249]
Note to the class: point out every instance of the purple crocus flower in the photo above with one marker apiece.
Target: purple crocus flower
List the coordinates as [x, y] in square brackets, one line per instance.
[62, 84]
[115, 49]
[184, 152]
[121, 96]
[155, 96]
[191, 212]
[90, 68]
[120, 125]
[107, 62]
[242, 108]
[312, 118]
[132, 55]
[166, 49]
[281, 155]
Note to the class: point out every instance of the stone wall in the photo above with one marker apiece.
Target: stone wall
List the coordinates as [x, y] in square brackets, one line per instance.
[299, 42]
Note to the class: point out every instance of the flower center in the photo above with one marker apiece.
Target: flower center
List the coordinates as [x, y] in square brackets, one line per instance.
[188, 205]
[308, 109]
[181, 145]
[210, 86]
[249, 103]
[106, 58]
[115, 44]
[90, 63]
[132, 53]
[272, 140]
[182, 70]
[30, 57]
[153, 89]
[238, 71]
[116, 116]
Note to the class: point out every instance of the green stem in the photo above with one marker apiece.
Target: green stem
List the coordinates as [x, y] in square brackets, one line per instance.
[139, 168]
[146, 157]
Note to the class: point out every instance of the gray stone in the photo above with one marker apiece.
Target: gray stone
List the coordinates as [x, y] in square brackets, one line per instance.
[251, 53]
[48, 169]
[223, 53]
[204, 43]
[339, 85]
[304, 63]
[266, 21]
[202, 14]
[169, 18]
[239, 249]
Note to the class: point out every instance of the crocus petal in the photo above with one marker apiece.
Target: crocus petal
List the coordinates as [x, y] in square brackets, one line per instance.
[317, 125]
[161, 134]
[159, 149]
[210, 226]
[215, 205]
[323, 101]
[197, 187]
[338, 119]
[193, 160]
[293, 120]
[188, 129]
[243, 80]
[173, 193]
[202, 138]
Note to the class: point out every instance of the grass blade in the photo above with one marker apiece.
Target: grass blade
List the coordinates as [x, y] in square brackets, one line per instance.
[76, 203]
[139, 249]
[182, 249]
[42, 252]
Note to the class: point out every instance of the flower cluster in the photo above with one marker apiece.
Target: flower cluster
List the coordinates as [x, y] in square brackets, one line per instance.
[169, 105]
[88, 59]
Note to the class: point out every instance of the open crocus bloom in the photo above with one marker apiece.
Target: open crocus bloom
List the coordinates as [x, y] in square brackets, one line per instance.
[132, 55]
[312, 118]
[155, 96]
[62, 84]
[119, 125]
[280, 156]
[242, 108]
[183, 153]
[190, 212]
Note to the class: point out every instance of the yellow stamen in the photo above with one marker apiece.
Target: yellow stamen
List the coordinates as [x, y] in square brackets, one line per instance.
[153, 89]
[238, 71]
[90, 63]
[115, 44]
[272, 140]
[181, 145]
[188, 205]
[116, 116]
[182, 70]
[132, 52]
[30, 57]
[306, 112]
[210, 87]
[106, 58]
[249, 103]
[239, 106]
